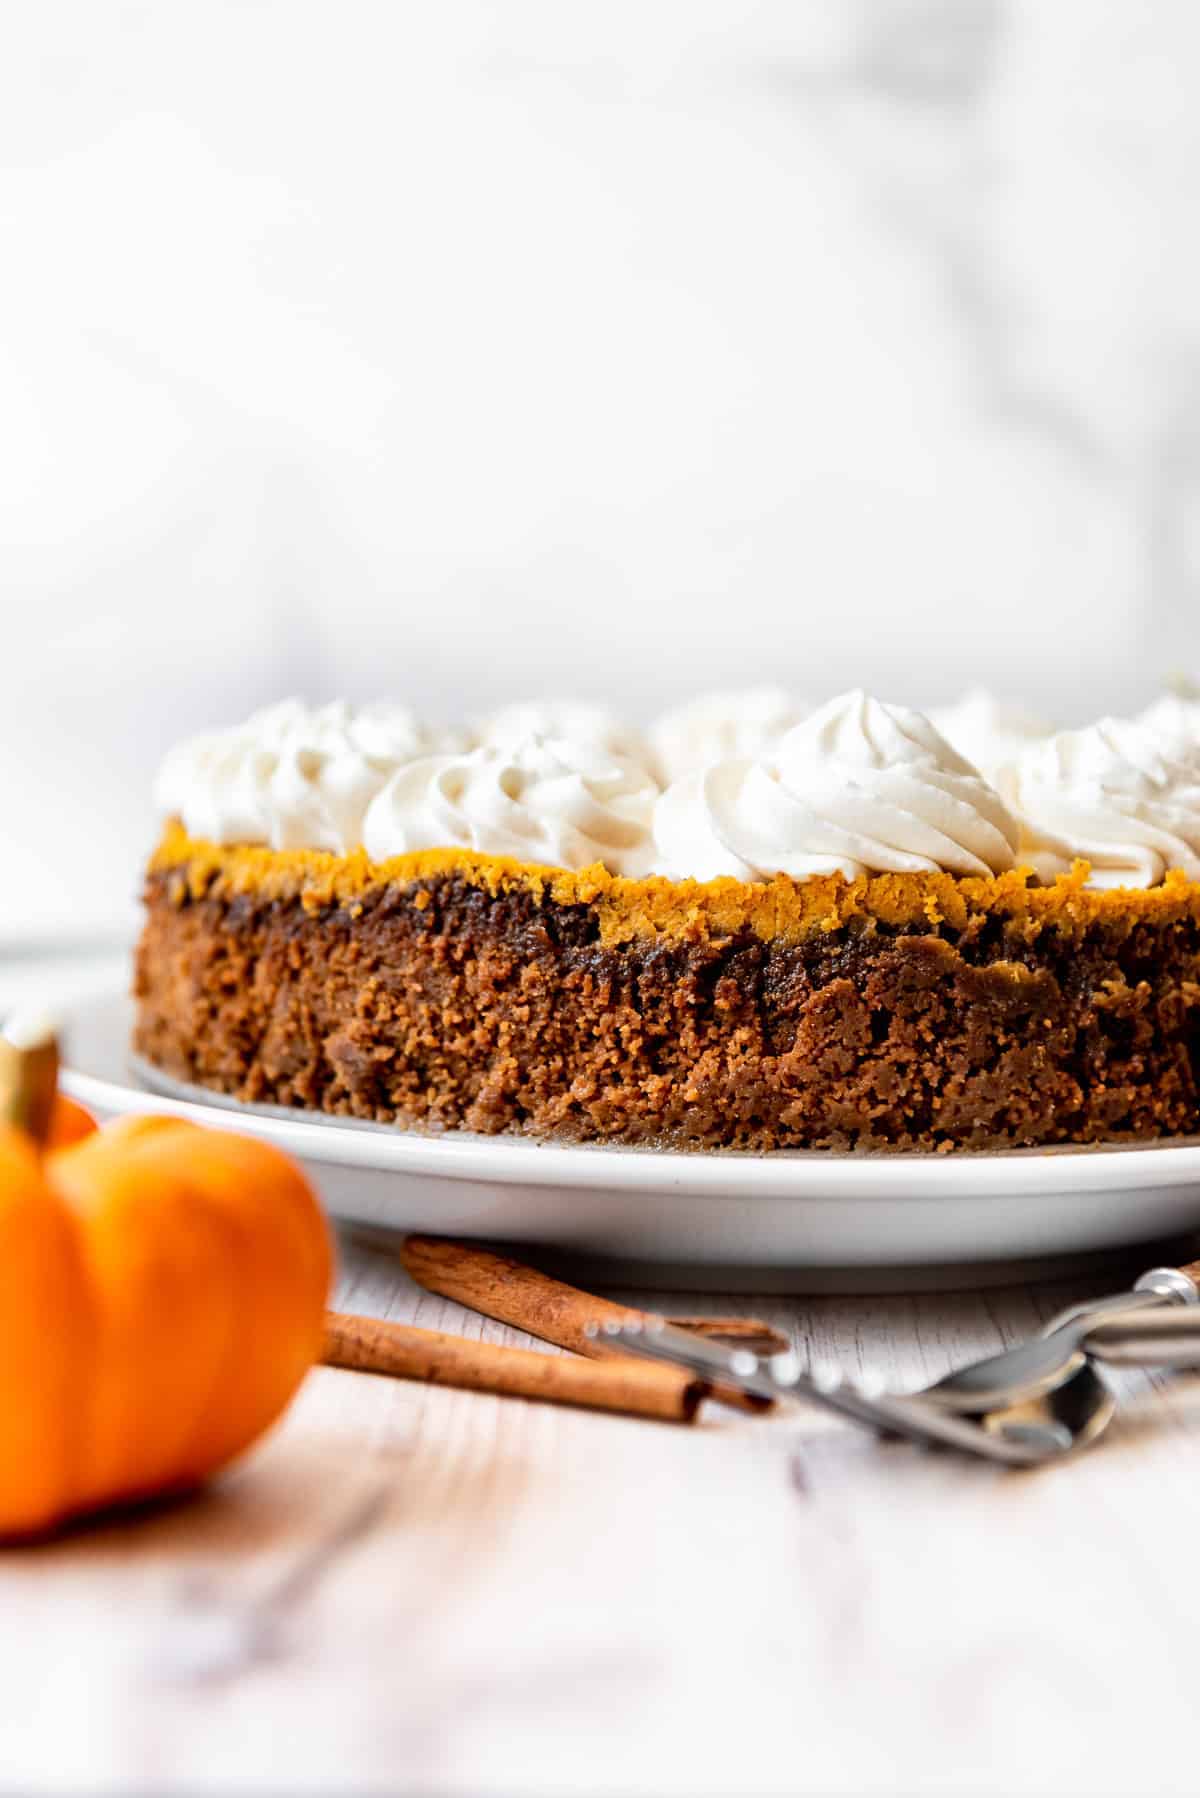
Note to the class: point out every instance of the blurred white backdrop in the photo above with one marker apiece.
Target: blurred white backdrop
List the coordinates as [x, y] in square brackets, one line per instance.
[459, 352]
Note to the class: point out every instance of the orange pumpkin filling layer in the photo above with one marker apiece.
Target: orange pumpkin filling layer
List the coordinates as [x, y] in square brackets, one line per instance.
[781, 908]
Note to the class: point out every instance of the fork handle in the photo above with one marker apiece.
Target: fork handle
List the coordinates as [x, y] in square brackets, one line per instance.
[1164, 1337]
[1179, 1285]
[1157, 1286]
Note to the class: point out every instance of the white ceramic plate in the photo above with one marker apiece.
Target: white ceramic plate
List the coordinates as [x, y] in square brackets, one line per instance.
[788, 1221]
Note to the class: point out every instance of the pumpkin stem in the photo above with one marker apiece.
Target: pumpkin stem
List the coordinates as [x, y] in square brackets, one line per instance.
[28, 1073]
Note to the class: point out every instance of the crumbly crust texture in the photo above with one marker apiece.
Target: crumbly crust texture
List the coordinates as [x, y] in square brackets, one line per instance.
[903, 1012]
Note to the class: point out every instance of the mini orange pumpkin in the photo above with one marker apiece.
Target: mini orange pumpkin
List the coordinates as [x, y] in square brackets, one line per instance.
[69, 1123]
[162, 1290]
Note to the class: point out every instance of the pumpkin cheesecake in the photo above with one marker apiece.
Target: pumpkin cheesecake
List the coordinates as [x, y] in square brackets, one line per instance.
[852, 942]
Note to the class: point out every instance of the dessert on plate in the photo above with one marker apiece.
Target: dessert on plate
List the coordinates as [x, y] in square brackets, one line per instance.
[844, 938]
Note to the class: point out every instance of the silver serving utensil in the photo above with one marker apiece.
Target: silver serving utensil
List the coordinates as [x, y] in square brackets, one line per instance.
[1077, 1411]
[1032, 1369]
[1022, 1437]
[1081, 1400]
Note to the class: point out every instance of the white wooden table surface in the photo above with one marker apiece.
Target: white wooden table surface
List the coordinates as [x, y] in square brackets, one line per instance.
[416, 1590]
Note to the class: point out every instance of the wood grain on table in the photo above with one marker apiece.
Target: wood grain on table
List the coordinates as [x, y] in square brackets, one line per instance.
[421, 1590]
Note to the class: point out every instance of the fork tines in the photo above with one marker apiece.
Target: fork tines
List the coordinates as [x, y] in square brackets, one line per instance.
[658, 1340]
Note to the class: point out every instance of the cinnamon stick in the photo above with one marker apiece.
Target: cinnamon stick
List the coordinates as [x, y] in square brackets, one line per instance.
[637, 1388]
[550, 1309]
[736, 1332]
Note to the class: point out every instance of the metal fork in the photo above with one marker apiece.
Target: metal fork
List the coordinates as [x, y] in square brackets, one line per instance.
[1014, 1442]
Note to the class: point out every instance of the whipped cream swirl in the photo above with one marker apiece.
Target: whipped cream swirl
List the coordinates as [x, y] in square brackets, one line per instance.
[859, 787]
[1174, 721]
[718, 726]
[541, 799]
[574, 720]
[293, 776]
[990, 733]
[1117, 793]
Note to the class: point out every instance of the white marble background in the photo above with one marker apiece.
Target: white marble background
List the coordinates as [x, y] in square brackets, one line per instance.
[462, 350]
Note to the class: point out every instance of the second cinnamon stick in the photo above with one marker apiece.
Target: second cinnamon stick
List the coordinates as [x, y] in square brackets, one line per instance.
[515, 1294]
